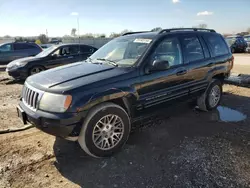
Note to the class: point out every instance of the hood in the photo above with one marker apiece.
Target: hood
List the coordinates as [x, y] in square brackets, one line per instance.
[67, 73]
[25, 59]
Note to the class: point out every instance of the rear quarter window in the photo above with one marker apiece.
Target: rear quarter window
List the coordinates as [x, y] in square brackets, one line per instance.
[217, 44]
[87, 49]
[23, 46]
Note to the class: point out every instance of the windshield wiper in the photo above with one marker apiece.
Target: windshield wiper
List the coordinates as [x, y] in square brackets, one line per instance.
[89, 59]
[108, 61]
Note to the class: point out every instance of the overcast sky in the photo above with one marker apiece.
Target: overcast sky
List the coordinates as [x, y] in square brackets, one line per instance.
[33, 17]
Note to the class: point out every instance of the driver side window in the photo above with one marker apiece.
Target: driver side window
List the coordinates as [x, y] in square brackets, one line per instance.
[168, 50]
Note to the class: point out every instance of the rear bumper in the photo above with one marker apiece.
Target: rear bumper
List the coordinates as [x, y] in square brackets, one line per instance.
[65, 125]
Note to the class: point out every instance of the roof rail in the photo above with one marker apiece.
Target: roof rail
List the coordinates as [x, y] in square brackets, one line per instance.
[184, 29]
[129, 33]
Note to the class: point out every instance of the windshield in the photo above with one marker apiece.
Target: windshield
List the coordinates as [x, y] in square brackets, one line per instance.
[46, 51]
[124, 51]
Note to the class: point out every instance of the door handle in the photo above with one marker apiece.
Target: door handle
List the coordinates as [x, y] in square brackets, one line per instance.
[182, 72]
[70, 57]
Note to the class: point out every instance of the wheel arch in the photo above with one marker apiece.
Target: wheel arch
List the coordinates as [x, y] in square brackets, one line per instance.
[125, 99]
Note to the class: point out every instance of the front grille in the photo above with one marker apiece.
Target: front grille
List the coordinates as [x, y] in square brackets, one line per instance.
[31, 97]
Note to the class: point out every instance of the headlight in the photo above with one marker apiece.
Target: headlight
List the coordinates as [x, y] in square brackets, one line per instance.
[55, 102]
[21, 64]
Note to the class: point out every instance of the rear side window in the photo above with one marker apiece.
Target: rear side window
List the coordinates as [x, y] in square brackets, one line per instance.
[87, 49]
[73, 50]
[22, 46]
[192, 48]
[218, 46]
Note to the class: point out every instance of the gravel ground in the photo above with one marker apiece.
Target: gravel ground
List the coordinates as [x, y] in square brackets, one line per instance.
[186, 149]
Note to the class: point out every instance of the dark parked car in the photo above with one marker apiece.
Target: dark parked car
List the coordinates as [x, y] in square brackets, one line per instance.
[45, 46]
[236, 43]
[95, 102]
[247, 39]
[12, 51]
[51, 57]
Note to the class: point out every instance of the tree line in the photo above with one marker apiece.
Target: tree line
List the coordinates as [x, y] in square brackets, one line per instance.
[43, 39]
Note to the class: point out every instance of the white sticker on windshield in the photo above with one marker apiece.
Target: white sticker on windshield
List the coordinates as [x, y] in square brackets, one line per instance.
[147, 41]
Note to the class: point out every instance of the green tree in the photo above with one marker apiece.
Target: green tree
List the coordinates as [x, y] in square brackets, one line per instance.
[248, 30]
[43, 38]
[114, 35]
[156, 29]
[88, 35]
[203, 26]
[125, 31]
[73, 32]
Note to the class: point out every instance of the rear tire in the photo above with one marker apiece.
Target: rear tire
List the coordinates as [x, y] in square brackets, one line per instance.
[211, 98]
[36, 69]
[105, 130]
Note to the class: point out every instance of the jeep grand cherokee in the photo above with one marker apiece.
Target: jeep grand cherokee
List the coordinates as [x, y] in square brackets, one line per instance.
[94, 101]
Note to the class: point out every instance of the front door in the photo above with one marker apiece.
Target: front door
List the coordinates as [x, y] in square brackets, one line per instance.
[63, 56]
[164, 86]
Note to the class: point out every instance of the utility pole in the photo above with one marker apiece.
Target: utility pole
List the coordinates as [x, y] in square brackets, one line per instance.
[78, 28]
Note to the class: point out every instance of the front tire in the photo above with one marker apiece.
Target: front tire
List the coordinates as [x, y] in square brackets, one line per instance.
[211, 98]
[35, 70]
[233, 50]
[105, 130]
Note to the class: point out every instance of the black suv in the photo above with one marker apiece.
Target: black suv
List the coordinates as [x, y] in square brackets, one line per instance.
[51, 57]
[95, 102]
[236, 43]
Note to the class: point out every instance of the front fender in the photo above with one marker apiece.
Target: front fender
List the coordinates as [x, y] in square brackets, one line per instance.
[127, 94]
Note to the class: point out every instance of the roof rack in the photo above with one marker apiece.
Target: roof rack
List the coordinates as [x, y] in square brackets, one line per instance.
[184, 29]
[129, 33]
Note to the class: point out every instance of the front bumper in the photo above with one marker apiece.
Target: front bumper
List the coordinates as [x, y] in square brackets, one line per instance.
[65, 125]
[19, 73]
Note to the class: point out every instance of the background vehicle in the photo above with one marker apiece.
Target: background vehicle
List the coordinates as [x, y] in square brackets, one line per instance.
[51, 57]
[247, 39]
[236, 43]
[130, 76]
[12, 51]
[45, 46]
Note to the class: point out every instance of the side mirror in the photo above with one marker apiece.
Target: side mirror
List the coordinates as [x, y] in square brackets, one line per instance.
[159, 65]
[54, 56]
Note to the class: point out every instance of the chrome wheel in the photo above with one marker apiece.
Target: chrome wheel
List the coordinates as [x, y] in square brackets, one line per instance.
[108, 132]
[36, 70]
[214, 96]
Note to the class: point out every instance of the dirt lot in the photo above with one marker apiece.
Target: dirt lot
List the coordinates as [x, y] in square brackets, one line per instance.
[186, 149]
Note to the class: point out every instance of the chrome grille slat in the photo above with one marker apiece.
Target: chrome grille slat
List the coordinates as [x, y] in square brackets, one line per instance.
[34, 100]
[27, 97]
[31, 96]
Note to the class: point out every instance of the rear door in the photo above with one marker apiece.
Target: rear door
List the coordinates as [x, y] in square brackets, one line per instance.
[197, 60]
[221, 55]
[86, 51]
[21, 50]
